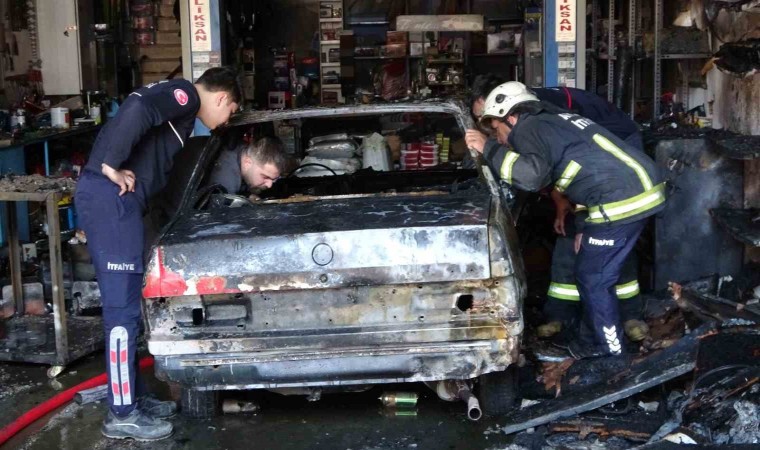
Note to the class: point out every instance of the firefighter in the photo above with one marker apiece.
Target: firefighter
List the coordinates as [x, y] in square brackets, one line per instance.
[129, 162]
[617, 183]
[579, 101]
[561, 308]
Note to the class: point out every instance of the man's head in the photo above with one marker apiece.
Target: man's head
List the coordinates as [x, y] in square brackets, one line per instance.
[220, 93]
[503, 107]
[262, 162]
[481, 87]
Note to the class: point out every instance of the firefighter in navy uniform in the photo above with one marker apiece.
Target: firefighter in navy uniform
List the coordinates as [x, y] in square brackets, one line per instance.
[579, 101]
[129, 162]
[617, 183]
[561, 308]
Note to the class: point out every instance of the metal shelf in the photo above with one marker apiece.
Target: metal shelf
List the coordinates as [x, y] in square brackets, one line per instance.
[331, 20]
[686, 56]
[742, 224]
[331, 86]
[487, 55]
[369, 58]
[445, 61]
[330, 64]
[657, 85]
[330, 42]
[369, 23]
[443, 83]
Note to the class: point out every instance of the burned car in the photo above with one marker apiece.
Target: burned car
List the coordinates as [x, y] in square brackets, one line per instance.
[340, 281]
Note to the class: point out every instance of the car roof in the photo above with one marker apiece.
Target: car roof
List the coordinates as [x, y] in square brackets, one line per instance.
[454, 107]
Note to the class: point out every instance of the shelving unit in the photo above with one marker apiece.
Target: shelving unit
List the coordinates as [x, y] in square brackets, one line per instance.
[742, 224]
[329, 68]
[633, 9]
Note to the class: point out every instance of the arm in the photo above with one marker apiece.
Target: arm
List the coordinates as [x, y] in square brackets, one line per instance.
[563, 208]
[528, 168]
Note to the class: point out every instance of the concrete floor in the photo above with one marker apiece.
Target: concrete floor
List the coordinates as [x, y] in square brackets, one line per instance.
[355, 421]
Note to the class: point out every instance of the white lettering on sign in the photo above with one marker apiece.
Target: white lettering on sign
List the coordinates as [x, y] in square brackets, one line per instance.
[200, 26]
[565, 29]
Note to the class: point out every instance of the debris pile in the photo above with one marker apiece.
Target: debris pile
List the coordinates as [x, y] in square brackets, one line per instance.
[36, 183]
[696, 378]
[741, 57]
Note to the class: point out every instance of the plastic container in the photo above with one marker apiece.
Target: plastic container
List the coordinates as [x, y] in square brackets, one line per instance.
[59, 118]
[428, 150]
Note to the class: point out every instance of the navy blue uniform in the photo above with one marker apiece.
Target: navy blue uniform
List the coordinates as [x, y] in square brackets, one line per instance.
[618, 184]
[563, 298]
[149, 129]
[596, 108]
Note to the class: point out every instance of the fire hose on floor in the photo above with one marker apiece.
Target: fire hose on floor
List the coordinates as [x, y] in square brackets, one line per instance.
[56, 401]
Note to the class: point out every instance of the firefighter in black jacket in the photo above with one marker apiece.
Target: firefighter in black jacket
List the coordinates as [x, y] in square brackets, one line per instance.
[617, 183]
[561, 308]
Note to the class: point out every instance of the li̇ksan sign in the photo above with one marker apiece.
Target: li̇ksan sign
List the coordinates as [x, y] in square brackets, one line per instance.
[566, 23]
[200, 26]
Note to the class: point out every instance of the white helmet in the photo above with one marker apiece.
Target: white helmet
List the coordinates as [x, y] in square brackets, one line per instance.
[505, 97]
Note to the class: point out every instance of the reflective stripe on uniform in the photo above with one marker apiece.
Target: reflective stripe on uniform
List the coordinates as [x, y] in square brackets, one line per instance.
[627, 290]
[629, 207]
[567, 176]
[570, 291]
[506, 167]
[564, 292]
[618, 153]
[118, 341]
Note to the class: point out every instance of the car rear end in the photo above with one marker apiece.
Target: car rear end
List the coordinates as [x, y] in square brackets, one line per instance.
[334, 292]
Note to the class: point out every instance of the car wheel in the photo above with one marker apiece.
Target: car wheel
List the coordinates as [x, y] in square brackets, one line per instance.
[498, 392]
[200, 404]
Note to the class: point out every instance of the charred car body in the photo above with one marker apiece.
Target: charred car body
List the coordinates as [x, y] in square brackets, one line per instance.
[339, 281]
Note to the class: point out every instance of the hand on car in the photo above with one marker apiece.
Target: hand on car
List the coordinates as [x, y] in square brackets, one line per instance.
[125, 179]
[475, 140]
[563, 207]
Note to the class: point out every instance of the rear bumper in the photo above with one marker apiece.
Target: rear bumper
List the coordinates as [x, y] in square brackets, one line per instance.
[385, 364]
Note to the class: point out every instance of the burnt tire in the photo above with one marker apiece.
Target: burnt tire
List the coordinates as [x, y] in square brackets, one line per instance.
[497, 392]
[200, 404]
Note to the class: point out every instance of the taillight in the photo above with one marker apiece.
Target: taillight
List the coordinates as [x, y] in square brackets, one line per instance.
[160, 282]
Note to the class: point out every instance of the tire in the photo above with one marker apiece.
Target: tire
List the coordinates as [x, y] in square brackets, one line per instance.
[497, 392]
[200, 404]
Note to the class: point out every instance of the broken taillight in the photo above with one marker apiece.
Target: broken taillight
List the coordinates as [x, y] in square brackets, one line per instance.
[160, 282]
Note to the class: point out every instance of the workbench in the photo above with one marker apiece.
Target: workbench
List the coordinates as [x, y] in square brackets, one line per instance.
[13, 160]
[55, 340]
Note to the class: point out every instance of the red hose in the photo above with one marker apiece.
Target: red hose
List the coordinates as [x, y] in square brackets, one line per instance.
[56, 401]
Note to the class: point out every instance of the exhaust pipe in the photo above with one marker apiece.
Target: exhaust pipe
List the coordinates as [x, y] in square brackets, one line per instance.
[473, 405]
[453, 390]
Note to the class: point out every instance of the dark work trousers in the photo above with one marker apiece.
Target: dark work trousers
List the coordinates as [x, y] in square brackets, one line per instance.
[114, 228]
[604, 249]
[563, 301]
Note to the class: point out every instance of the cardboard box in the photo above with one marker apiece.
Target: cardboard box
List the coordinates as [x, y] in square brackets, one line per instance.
[396, 37]
[416, 49]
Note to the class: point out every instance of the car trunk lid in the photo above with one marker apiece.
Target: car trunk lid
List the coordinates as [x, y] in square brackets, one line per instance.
[324, 244]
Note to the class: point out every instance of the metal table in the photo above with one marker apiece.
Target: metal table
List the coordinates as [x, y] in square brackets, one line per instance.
[27, 338]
